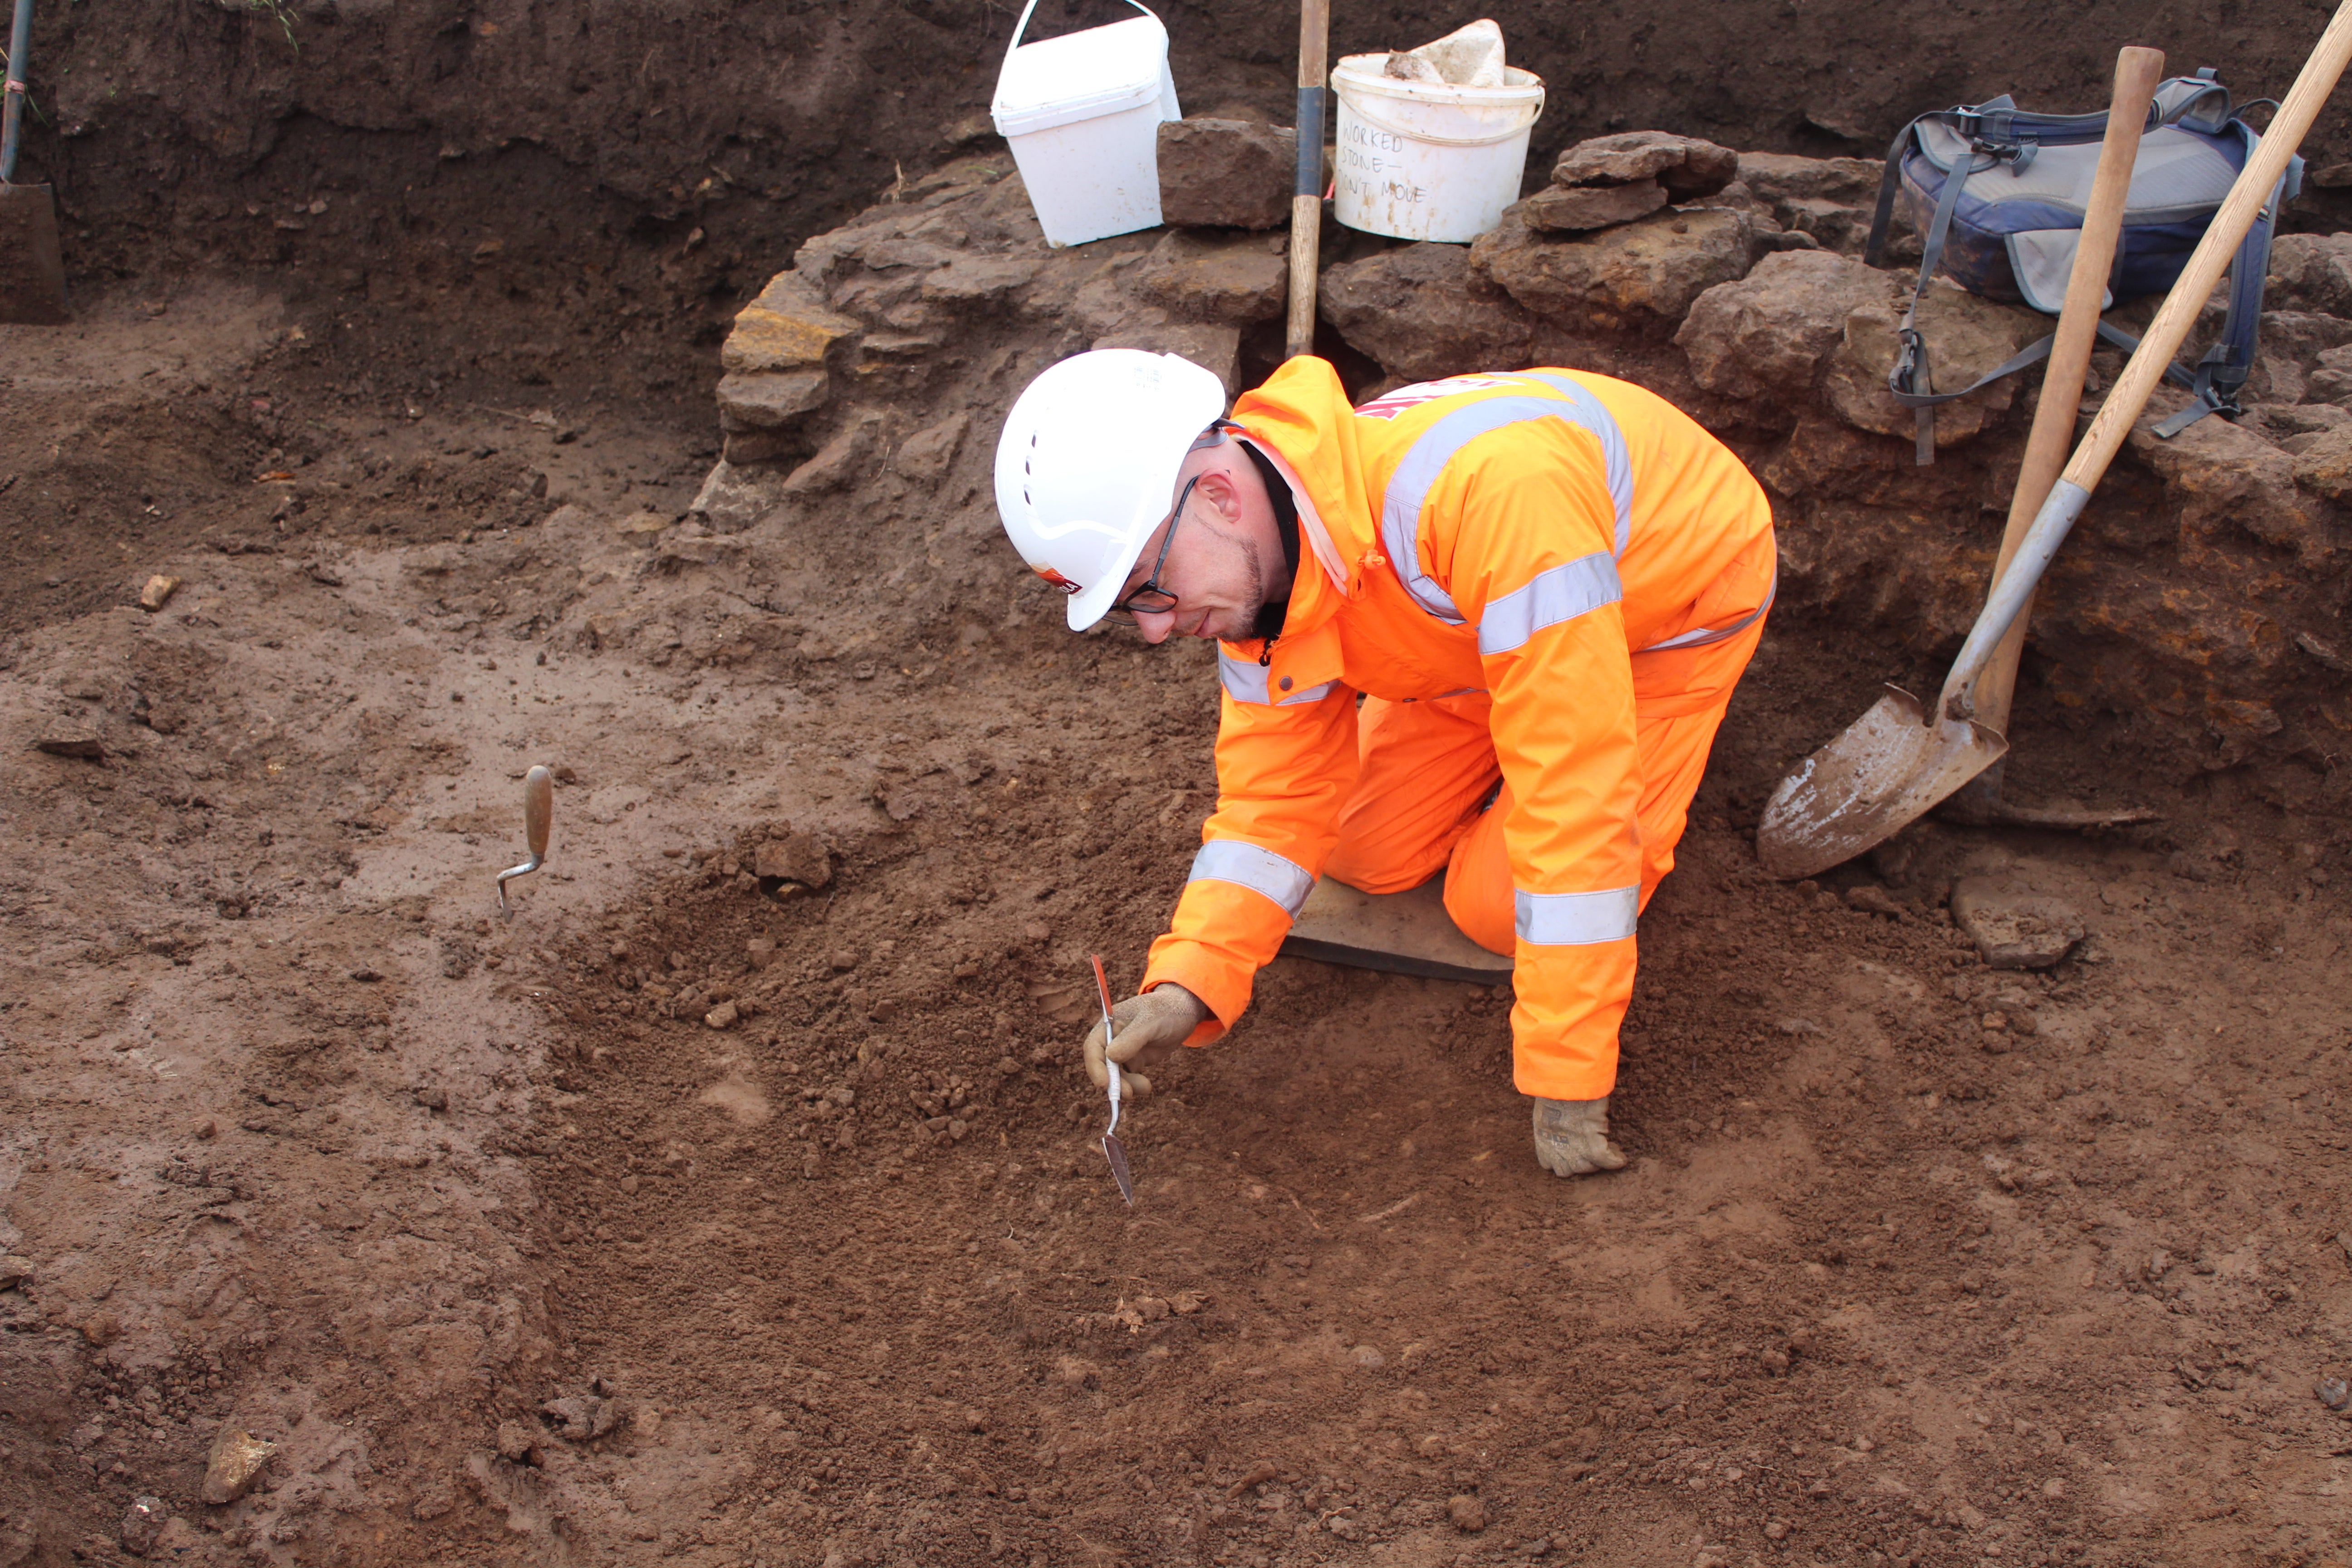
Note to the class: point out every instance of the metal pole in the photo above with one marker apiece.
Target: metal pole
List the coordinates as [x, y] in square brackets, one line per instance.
[20, 49]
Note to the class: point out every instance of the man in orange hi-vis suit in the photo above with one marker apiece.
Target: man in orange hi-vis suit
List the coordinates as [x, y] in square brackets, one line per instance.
[1542, 585]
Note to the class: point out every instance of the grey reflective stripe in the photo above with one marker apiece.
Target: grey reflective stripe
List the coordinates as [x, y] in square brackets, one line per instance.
[1408, 488]
[1245, 680]
[1618, 462]
[1705, 634]
[1260, 870]
[1576, 919]
[1554, 594]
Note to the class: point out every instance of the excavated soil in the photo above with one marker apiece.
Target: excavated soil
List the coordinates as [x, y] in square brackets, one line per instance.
[517, 1255]
[301, 1137]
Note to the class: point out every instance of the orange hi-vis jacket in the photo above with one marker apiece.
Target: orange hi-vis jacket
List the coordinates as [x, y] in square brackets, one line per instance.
[1525, 534]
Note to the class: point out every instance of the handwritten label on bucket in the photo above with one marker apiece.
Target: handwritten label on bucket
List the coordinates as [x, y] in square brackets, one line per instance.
[1363, 174]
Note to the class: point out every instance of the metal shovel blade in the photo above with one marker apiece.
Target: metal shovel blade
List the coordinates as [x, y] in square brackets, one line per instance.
[1885, 772]
[32, 267]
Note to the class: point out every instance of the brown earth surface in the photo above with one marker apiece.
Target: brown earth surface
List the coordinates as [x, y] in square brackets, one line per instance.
[302, 1139]
[516, 1258]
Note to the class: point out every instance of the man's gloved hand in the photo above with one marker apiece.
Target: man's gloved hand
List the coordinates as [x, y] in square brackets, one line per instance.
[1145, 1031]
[1572, 1136]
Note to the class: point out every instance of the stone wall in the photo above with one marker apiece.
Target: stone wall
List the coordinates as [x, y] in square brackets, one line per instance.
[2200, 599]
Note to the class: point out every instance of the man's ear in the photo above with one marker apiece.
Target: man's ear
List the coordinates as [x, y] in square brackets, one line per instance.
[1223, 493]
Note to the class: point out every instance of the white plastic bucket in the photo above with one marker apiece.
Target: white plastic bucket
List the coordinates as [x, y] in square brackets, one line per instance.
[1425, 159]
[1082, 115]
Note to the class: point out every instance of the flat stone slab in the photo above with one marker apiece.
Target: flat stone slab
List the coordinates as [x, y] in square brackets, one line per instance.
[1402, 933]
[2015, 931]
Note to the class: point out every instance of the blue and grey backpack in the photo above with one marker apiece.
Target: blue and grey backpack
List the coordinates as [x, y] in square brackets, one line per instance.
[2007, 227]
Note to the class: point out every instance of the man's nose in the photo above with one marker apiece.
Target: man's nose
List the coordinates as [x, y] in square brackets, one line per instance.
[1156, 626]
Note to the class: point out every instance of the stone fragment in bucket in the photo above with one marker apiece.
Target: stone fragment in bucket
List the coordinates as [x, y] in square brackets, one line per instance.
[1471, 57]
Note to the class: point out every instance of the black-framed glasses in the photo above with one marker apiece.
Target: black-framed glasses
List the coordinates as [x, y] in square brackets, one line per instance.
[1151, 599]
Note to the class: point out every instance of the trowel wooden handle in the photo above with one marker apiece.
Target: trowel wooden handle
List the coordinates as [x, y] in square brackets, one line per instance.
[538, 809]
[2211, 258]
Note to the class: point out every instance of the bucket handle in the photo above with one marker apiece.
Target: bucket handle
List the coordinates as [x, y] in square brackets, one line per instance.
[1430, 138]
[1030, 9]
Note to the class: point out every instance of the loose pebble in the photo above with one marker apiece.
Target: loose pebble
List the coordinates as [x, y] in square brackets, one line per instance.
[234, 1464]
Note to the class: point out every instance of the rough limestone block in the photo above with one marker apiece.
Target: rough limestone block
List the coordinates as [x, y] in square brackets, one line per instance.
[1423, 312]
[233, 1465]
[2226, 479]
[787, 327]
[1967, 336]
[764, 445]
[800, 858]
[926, 455]
[1635, 274]
[1574, 209]
[2310, 272]
[1686, 166]
[732, 499]
[1226, 173]
[978, 280]
[2324, 465]
[2329, 377]
[1770, 330]
[1776, 177]
[840, 461]
[2014, 931]
[767, 400]
[1202, 275]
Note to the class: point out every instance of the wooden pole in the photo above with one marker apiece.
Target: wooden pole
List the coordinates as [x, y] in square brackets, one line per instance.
[1307, 191]
[2137, 71]
[2149, 363]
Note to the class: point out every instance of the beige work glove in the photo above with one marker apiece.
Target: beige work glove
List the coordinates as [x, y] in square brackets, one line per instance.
[1572, 1136]
[1145, 1032]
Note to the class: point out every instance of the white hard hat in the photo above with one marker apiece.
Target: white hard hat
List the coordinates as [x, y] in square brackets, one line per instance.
[1086, 466]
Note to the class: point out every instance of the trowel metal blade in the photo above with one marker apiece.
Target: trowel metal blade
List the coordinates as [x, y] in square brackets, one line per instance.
[1878, 777]
[1116, 1153]
[32, 267]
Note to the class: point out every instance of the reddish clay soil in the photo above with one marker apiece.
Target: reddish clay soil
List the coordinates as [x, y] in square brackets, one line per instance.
[518, 1259]
[396, 347]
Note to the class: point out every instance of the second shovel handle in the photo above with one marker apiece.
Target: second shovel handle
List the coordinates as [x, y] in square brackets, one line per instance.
[2212, 259]
[2116, 415]
[2137, 71]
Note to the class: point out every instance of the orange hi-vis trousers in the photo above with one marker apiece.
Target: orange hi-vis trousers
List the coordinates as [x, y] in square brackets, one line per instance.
[1425, 798]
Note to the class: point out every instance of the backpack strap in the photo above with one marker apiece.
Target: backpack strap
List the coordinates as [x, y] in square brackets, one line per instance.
[2223, 369]
[1911, 381]
[1890, 178]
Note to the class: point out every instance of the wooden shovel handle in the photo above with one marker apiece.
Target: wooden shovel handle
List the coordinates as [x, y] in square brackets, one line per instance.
[1306, 193]
[2212, 259]
[2137, 71]
[2106, 438]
